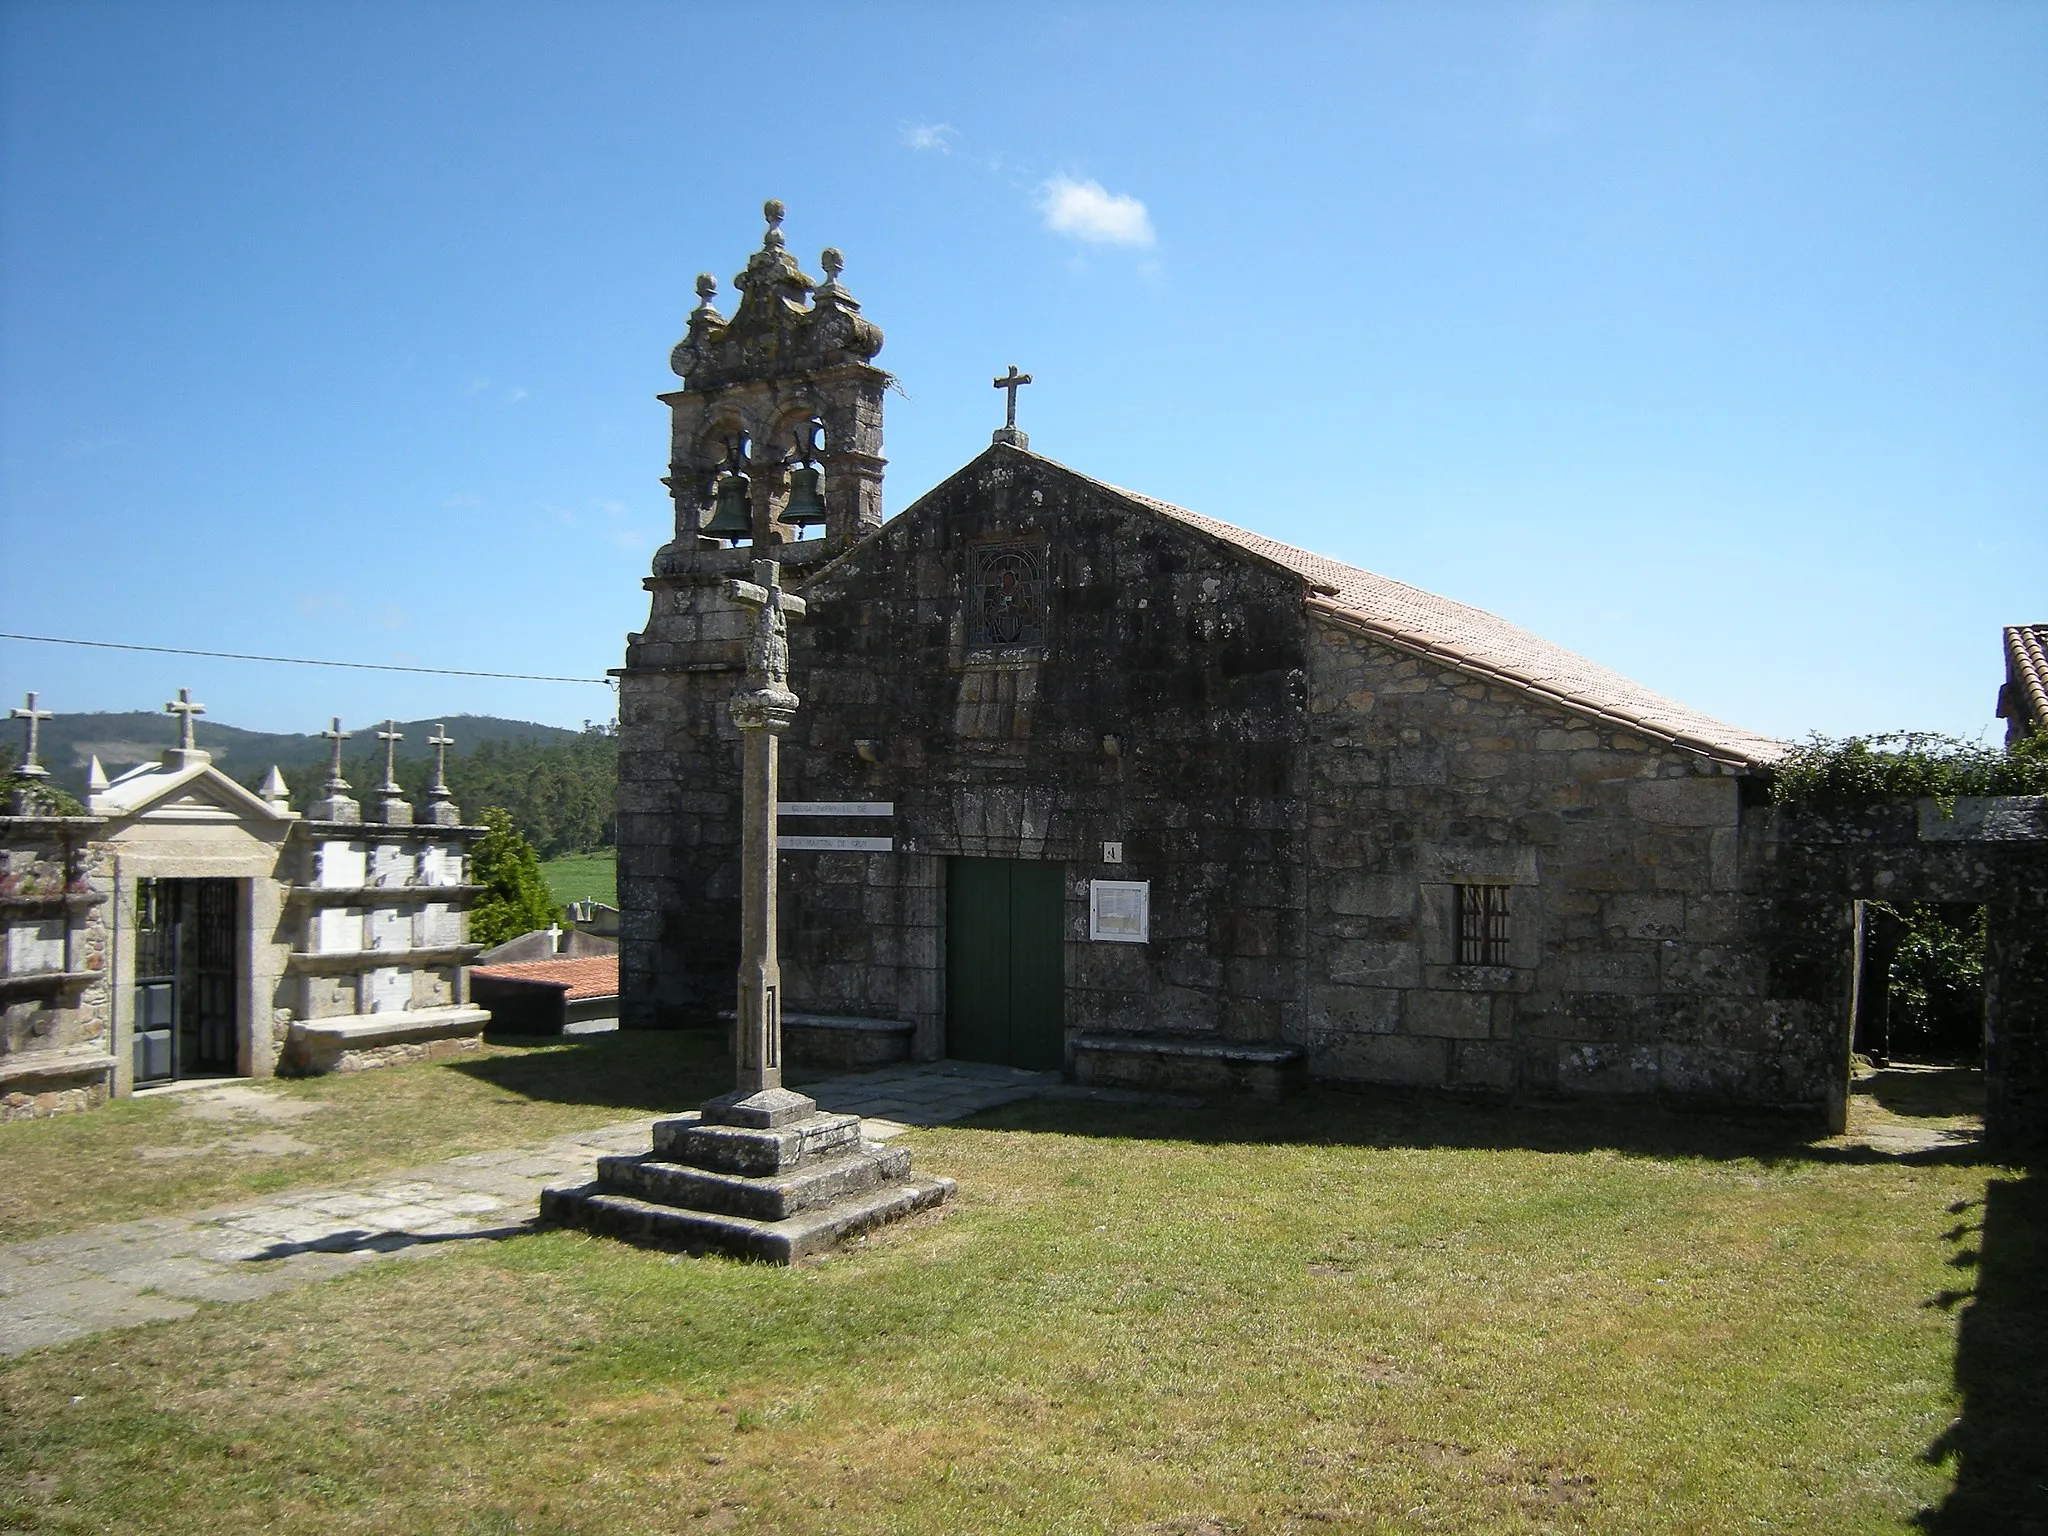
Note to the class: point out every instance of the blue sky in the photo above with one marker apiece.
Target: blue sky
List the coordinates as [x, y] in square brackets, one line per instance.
[1709, 340]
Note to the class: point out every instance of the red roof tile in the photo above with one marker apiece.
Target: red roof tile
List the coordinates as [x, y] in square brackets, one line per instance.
[583, 976]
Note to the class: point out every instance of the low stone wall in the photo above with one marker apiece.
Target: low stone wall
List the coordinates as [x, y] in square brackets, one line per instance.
[41, 1103]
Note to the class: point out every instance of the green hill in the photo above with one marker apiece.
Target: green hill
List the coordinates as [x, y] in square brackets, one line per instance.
[121, 740]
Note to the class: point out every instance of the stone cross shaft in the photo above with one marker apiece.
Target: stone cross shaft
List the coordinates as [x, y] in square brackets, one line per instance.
[334, 733]
[762, 709]
[183, 707]
[30, 768]
[1012, 381]
[391, 736]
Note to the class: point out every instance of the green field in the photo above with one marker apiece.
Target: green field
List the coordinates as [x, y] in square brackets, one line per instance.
[583, 877]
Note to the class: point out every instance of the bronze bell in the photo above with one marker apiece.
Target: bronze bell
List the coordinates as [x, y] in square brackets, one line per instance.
[806, 508]
[732, 517]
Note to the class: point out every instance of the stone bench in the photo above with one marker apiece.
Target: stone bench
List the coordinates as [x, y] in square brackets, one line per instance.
[1186, 1064]
[844, 1044]
[355, 1041]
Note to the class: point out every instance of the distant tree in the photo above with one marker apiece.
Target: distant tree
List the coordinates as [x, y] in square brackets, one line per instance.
[517, 899]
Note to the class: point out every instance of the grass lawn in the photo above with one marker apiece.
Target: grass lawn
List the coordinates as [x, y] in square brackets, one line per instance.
[583, 877]
[140, 1157]
[1352, 1313]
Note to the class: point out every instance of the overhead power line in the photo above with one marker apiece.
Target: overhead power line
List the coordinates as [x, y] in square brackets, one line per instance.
[301, 661]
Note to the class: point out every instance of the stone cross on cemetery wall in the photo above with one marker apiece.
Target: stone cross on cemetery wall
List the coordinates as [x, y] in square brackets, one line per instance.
[441, 811]
[392, 808]
[30, 767]
[336, 784]
[762, 709]
[335, 804]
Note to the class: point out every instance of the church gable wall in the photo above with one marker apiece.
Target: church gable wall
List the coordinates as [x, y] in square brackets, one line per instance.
[1143, 686]
[1629, 964]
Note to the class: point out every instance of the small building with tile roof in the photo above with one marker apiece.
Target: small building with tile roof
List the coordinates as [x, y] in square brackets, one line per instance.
[544, 997]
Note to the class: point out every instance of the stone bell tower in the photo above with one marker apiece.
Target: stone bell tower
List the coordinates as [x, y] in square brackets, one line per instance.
[792, 366]
[775, 452]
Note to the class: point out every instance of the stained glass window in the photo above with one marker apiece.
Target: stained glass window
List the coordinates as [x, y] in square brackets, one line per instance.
[1008, 598]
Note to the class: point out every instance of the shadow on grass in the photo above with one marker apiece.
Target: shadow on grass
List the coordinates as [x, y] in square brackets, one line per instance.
[639, 1071]
[1999, 1442]
[1392, 1117]
[1933, 1092]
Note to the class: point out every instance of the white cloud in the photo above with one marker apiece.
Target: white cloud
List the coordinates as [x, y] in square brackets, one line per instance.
[926, 136]
[1085, 211]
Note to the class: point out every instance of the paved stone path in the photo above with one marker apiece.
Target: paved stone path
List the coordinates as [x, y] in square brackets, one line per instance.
[55, 1289]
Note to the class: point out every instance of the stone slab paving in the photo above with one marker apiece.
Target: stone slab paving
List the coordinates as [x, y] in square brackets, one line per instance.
[55, 1289]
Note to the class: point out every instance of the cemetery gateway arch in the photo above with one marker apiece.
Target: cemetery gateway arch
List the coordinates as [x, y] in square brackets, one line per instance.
[1084, 780]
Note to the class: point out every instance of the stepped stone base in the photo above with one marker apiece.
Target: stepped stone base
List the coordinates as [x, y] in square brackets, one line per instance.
[765, 1176]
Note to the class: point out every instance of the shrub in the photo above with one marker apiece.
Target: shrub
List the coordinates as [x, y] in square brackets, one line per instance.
[1862, 771]
[1937, 994]
[517, 900]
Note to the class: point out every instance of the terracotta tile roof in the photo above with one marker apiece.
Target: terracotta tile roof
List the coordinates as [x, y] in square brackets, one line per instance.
[1479, 642]
[2026, 675]
[582, 976]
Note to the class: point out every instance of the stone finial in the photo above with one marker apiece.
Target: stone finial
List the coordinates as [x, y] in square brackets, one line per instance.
[30, 767]
[335, 804]
[96, 777]
[774, 213]
[707, 285]
[275, 792]
[833, 263]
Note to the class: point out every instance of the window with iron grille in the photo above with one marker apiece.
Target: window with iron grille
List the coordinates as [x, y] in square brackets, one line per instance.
[1482, 925]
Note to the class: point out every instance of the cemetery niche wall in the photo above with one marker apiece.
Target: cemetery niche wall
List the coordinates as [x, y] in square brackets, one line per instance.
[1092, 782]
[185, 927]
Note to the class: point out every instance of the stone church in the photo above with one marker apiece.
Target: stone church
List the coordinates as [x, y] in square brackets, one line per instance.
[1082, 780]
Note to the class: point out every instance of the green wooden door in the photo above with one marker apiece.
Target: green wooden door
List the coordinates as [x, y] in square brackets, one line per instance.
[1005, 966]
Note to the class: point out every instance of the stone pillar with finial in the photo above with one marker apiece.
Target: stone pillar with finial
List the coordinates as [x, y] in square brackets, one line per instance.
[335, 803]
[761, 1172]
[762, 710]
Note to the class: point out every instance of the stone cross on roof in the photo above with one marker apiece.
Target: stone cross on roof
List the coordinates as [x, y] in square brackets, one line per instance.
[30, 768]
[183, 707]
[1007, 432]
[185, 754]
